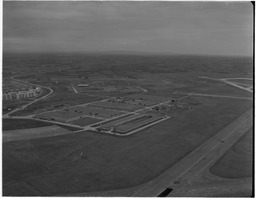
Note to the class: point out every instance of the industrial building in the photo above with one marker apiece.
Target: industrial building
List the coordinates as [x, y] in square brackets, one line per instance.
[128, 124]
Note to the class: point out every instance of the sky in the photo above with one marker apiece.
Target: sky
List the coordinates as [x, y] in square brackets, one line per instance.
[212, 28]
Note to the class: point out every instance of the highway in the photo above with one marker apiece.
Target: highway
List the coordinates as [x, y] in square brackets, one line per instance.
[187, 170]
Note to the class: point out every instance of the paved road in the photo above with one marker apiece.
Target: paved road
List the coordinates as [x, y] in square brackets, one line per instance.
[183, 173]
[226, 80]
[74, 89]
[220, 96]
[236, 85]
[142, 89]
[232, 188]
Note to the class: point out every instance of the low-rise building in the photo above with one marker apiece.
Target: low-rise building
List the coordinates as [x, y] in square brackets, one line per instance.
[13, 95]
[23, 93]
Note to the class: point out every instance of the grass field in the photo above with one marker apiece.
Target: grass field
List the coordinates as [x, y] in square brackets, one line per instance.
[70, 128]
[33, 133]
[116, 106]
[86, 161]
[85, 121]
[13, 124]
[237, 162]
[245, 81]
[56, 101]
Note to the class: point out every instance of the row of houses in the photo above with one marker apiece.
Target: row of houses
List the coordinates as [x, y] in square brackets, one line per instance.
[21, 94]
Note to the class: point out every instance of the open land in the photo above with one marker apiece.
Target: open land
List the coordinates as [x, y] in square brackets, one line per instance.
[89, 162]
[100, 160]
[11, 124]
[237, 162]
[85, 121]
[33, 133]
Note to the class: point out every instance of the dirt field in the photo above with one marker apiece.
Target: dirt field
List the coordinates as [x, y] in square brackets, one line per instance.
[13, 124]
[84, 162]
[33, 133]
[237, 162]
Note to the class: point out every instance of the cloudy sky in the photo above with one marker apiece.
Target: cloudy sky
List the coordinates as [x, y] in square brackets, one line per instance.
[216, 28]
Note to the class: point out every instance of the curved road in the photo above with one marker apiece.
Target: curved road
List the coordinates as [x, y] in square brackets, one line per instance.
[30, 103]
